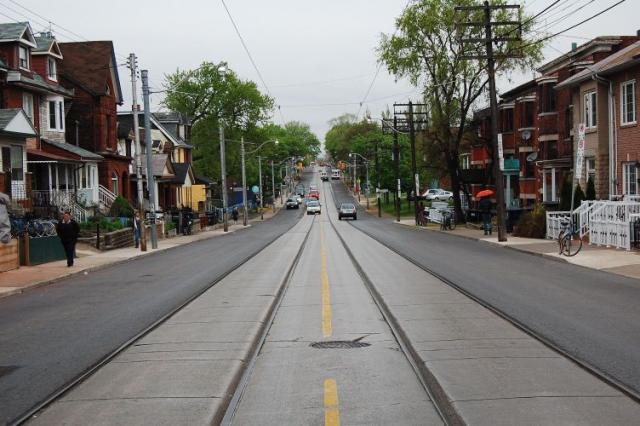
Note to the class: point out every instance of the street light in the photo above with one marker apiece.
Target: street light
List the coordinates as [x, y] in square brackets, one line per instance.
[243, 153]
[355, 155]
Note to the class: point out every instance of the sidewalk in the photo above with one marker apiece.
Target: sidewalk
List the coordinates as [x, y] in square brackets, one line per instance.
[89, 259]
[626, 263]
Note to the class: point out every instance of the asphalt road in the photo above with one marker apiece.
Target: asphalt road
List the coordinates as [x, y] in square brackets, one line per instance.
[51, 335]
[295, 383]
[590, 314]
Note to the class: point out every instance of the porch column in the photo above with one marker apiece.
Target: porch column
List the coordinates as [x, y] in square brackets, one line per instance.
[553, 184]
[544, 185]
[66, 177]
[50, 178]
[57, 178]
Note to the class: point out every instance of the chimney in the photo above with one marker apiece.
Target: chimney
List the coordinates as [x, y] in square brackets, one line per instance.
[638, 33]
[574, 46]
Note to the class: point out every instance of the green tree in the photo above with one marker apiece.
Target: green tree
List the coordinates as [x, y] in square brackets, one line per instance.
[578, 197]
[565, 194]
[427, 48]
[591, 190]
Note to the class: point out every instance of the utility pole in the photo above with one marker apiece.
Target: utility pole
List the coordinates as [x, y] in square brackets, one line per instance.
[245, 213]
[133, 65]
[396, 163]
[490, 57]
[151, 182]
[223, 172]
[273, 188]
[260, 184]
[414, 167]
[378, 181]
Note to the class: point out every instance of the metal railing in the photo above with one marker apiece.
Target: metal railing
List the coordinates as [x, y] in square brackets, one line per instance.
[105, 197]
[62, 199]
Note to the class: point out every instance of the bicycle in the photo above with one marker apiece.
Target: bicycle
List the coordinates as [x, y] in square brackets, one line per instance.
[569, 241]
[448, 221]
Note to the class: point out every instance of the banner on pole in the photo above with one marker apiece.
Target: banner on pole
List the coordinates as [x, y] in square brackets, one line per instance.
[500, 152]
[580, 151]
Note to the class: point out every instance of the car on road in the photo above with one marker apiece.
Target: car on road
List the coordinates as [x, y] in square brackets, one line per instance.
[347, 210]
[324, 176]
[313, 207]
[335, 174]
[438, 194]
[292, 203]
[299, 198]
[314, 194]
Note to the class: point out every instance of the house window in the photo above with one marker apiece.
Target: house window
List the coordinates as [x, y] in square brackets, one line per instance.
[114, 183]
[590, 169]
[547, 96]
[630, 178]
[52, 70]
[549, 186]
[465, 161]
[591, 110]
[27, 105]
[507, 120]
[17, 171]
[23, 57]
[628, 101]
[56, 115]
[527, 115]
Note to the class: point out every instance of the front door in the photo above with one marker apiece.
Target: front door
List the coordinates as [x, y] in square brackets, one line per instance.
[6, 169]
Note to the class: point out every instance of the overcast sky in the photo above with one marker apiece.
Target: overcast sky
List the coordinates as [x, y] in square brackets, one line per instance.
[317, 57]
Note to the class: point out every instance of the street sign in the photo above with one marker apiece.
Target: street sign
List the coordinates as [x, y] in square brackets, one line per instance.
[382, 191]
[500, 152]
[580, 151]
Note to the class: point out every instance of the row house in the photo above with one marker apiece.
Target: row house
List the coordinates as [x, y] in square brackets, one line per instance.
[91, 70]
[605, 97]
[62, 174]
[537, 125]
[176, 183]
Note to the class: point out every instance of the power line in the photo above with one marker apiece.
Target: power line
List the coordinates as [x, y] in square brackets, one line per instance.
[246, 49]
[548, 25]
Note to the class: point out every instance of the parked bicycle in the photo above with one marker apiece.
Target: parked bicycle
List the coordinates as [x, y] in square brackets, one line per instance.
[569, 240]
[448, 221]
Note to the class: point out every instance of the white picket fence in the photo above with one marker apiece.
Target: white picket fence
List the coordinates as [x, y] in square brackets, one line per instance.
[608, 223]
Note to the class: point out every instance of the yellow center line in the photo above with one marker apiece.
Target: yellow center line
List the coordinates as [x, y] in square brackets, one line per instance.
[331, 409]
[326, 293]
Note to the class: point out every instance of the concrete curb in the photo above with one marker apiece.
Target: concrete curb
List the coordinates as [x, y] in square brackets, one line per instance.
[41, 284]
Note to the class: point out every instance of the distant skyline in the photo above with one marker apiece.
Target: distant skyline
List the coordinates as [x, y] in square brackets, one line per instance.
[317, 58]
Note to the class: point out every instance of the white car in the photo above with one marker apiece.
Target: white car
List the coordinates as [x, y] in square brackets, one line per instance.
[438, 194]
[313, 207]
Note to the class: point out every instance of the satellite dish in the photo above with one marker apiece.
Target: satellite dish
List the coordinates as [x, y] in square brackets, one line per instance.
[526, 135]
[532, 157]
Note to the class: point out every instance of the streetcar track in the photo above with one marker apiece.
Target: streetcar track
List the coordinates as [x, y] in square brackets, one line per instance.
[90, 371]
[232, 407]
[429, 383]
[601, 375]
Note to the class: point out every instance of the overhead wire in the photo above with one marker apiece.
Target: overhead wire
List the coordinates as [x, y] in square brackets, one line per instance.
[253, 62]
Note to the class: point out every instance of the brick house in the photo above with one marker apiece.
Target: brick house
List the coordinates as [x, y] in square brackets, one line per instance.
[63, 175]
[90, 68]
[612, 154]
[573, 106]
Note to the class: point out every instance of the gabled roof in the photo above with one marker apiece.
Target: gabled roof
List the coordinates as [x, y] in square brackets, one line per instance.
[181, 171]
[625, 58]
[15, 122]
[17, 31]
[125, 118]
[75, 150]
[46, 44]
[158, 164]
[90, 65]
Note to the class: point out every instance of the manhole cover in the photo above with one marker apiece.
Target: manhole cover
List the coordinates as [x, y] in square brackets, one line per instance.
[339, 344]
[7, 369]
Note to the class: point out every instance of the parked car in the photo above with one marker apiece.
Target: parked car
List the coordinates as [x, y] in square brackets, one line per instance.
[347, 210]
[292, 203]
[438, 195]
[313, 207]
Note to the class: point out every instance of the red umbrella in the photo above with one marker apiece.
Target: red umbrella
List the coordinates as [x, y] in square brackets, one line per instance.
[485, 193]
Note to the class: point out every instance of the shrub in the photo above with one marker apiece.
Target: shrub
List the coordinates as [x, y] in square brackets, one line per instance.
[121, 208]
[532, 224]
[106, 225]
[565, 194]
[578, 197]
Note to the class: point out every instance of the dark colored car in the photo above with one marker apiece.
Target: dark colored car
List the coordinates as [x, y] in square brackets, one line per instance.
[292, 203]
[347, 210]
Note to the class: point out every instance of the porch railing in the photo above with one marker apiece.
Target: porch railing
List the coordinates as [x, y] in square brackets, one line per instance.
[62, 199]
[105, 196]
[610, 223]
[580, 218]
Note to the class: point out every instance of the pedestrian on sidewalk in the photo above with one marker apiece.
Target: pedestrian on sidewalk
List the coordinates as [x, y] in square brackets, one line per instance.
[421, 214]
[68, 231]
[137, 231]
[485, 210]
[234, 215]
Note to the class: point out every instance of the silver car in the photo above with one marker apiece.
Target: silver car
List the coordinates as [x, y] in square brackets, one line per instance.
[313, 207]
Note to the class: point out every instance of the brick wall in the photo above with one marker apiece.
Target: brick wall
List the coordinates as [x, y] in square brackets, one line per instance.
[628, 135]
